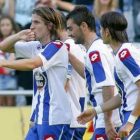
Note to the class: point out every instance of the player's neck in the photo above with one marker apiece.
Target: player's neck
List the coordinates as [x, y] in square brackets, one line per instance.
[45, 40]
[115, 45]
[89, 39]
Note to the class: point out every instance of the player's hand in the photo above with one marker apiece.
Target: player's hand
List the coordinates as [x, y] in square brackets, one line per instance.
[26, 35]
[110, 130]
[86, 116]
[125, 130]
[31, 124]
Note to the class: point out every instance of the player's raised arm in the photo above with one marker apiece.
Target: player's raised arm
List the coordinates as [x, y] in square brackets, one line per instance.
[8, 44]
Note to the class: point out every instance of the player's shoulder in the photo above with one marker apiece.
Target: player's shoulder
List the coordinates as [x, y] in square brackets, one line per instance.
[56, 43]
[69, 40]
[71, 46]
[99, 46]
[127, 50]
[33, 42]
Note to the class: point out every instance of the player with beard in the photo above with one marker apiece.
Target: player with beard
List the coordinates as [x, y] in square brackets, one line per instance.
[99, 69]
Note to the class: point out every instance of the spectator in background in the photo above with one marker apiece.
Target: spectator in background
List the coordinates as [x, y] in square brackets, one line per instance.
[8, 8]
[68, 5]
[102, 6]
[22, 11]
[136, 17]
[8, 79]
[2, 3]
[128, 13]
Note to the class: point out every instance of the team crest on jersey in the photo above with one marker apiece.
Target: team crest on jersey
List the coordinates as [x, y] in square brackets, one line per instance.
[58, 44]
[40, 80]
[100, 137]
[39, 47]
[49, 137]
[124, 54]
[94, 57]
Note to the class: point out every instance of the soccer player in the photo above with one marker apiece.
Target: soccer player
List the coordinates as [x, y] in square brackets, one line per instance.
[75, 85]
[99, 69]
[127, 75]
[48, 58]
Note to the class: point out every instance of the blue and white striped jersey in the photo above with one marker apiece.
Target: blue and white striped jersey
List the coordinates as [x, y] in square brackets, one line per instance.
[50, 101]
[127, 74]
[99, 71]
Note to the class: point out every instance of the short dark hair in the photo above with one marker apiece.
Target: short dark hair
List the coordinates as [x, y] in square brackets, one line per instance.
[82, 14]
[117, 25]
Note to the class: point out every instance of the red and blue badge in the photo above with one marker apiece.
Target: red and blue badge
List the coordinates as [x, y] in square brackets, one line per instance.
[97, 66]
[127, 59]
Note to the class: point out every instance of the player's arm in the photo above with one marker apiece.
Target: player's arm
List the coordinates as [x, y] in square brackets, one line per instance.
[77, 65]
[136, 110]
[23, 64]
[129, 60]
[126, 129]
[31, 124]
[67, 84]
[7, 45]
[64, 5]
[108, 93]
[68, 77]
[88, 115]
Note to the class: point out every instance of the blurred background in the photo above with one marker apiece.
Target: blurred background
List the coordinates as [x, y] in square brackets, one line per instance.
[16, 86]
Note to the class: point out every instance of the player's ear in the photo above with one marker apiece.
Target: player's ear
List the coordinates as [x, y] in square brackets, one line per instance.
[107, 32]
[50, 26]
[83, 26]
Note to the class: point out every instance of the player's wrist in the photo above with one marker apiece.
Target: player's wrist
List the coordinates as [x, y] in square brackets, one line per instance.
[98, 109]
[132, 119]
[17, 36]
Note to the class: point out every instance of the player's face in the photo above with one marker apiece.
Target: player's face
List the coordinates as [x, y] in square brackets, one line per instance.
[75, 32]
[5, 27]
[104, 36]
[39, 27]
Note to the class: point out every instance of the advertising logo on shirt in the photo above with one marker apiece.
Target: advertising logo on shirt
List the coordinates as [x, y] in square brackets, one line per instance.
[124, 54]
[100, 137]
[94, 57]
[40, 80]
[49, 137]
